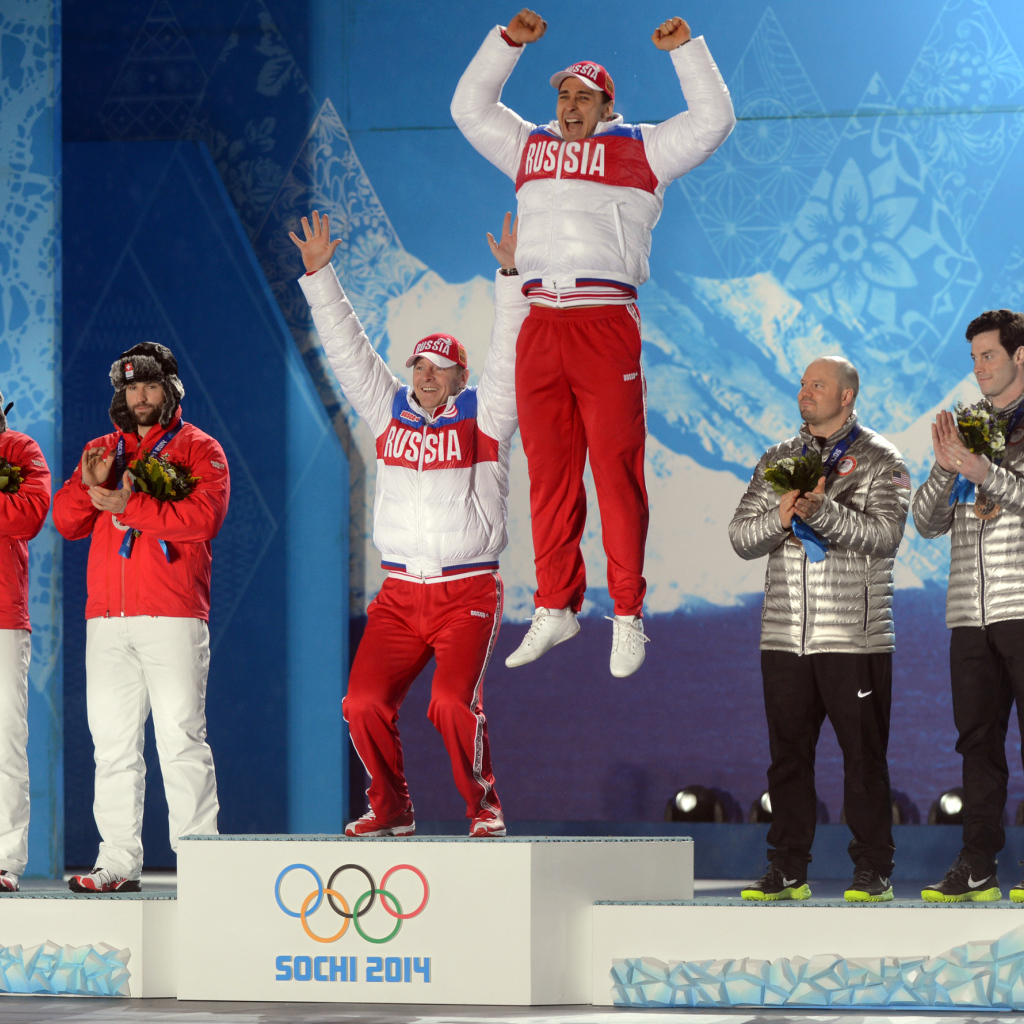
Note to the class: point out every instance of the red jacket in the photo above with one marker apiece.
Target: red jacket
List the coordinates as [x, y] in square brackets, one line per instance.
[147, 583]
[21, 517]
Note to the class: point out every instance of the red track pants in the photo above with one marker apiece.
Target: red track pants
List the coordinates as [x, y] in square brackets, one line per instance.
[456, 622]
[579, 385]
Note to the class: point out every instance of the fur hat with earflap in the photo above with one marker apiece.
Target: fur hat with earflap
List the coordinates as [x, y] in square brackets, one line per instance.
[148, 362]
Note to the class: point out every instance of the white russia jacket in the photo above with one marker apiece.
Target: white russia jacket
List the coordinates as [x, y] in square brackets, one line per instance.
[442, 481]
[586, 209]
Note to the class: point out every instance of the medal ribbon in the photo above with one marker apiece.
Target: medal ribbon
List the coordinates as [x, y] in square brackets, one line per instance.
[963, 489]
[814, 544]
[120, 465]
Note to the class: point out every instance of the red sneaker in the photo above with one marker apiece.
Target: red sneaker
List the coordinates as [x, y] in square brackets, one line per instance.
[103, 880]
[488, 823]
[368, 827]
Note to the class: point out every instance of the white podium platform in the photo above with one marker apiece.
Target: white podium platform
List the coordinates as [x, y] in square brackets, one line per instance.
[54, 941]
[496, 921]
[727, 953]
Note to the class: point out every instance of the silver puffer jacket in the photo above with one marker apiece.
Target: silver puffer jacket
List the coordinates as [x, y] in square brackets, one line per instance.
[986, 570]
[844, 603]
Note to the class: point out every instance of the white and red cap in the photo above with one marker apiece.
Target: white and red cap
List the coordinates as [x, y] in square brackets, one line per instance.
[441, 349]
[592, 75]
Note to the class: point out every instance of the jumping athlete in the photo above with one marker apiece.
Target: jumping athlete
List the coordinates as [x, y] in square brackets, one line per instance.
[590, 189]
[439, 521]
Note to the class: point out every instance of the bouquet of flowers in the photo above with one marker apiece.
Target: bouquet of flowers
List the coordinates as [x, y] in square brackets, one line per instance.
[10, 477]
[165, 481]
[794, 473]
[981, 430]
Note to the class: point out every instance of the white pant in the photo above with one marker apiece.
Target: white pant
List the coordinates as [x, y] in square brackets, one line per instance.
[132, 665]
[15, 652]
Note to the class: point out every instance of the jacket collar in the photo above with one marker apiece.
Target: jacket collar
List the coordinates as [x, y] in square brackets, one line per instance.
[808, 437]
[149, 442]
[448, 406]
[1008, 410]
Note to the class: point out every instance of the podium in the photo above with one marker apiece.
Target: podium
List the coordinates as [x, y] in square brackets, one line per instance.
[411, 920]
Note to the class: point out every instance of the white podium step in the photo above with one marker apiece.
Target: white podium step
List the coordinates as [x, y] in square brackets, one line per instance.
[819, 953]
[436, 919]
[57, 942]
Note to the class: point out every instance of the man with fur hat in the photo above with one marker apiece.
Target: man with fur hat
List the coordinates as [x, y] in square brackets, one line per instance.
[24, 501]
[147, 640]
[590, 190]
[439, 521]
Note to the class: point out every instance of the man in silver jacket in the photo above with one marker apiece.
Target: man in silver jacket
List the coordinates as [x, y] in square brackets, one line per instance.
[985, 599]
[827, 630]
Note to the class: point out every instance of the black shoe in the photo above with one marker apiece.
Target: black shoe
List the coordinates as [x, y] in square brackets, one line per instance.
[960, 886]
[774, 885]
[1017, 892]
[868, 886]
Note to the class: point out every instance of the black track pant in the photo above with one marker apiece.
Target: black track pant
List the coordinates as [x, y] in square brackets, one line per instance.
[986, 668]
[855, 691]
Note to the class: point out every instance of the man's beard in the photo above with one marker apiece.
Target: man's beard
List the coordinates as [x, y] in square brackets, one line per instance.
[146, 417]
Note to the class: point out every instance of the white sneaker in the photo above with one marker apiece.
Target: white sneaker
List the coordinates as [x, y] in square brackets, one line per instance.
[627, 644]
[9, 881]
[549, 628]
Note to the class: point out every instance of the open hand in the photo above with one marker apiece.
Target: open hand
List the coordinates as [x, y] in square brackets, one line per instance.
[526, 27]
[96, 468]
[809, 504]
[952, 454]
[505, 250]
[318, 249]
[670, 34]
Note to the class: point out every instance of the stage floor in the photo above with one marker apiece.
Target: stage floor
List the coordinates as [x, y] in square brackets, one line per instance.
[33, 1009]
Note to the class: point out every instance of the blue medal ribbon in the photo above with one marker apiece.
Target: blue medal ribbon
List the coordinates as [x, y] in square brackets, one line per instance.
[963, 490]
[814, 544]
[120, 465]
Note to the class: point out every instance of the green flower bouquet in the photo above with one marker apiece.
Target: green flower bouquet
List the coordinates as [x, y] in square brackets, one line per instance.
[982, 430]
[165, 481]
[794, 473]
[10, 477]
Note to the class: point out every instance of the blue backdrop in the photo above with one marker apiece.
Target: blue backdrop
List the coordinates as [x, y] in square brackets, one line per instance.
[866, 204]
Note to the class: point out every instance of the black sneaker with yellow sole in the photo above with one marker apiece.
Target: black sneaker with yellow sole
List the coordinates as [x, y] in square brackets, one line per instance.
[774, 885]
[960, 886]
[868, 886]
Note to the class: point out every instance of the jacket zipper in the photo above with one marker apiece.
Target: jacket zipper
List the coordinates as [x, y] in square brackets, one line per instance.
[419, 491]
[123, 560]
[981, 571]
[803, 624]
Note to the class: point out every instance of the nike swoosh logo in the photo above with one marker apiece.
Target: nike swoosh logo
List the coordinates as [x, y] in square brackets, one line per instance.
[866, 693]
[788, 882]
[976, 885]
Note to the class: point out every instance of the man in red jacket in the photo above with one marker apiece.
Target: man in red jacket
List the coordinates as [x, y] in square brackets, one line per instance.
[147, 641]
[22, 513]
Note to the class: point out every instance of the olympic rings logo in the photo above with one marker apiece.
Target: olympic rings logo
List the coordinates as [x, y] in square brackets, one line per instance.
[352, 913]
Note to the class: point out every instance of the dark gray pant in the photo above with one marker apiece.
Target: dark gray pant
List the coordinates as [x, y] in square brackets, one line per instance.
[986, 669]
[855, 691]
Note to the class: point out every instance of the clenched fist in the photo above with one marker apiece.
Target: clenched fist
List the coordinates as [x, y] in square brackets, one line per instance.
[670, 34]
[526, 27]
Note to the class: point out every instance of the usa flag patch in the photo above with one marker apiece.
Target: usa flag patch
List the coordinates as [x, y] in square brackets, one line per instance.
[901, 478]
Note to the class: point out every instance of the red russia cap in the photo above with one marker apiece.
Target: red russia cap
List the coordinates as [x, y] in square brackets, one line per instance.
[441, 349]
[590, 74]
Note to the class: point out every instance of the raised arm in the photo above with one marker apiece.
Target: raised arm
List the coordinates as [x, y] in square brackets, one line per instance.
[497, 388]
[683, 142]
[73, 510]
[933, 514]
[493, 130]
[364, 377]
